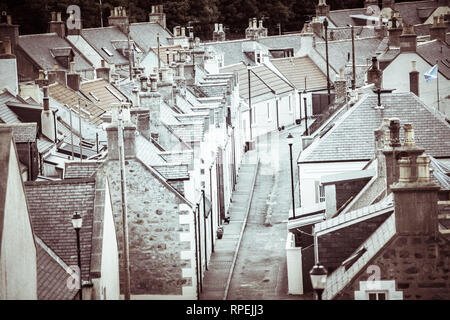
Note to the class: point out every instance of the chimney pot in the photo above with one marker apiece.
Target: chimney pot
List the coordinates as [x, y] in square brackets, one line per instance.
[394, 128]
[53, 16]
[58, 16]
[423, 168]
[143, 81]
[405, 169]
[409, 135]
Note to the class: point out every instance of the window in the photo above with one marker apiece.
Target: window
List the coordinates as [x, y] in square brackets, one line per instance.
[377, 295]
[321, 193]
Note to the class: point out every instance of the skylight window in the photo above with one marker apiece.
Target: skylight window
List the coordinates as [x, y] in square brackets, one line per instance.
[107, 51]
[94, 96]
[113, 93]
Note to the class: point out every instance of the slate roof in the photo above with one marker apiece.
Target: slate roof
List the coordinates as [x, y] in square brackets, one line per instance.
[147, 152]
[183, 104]
[51, 205]
[341, 277]
[22, 132]
[436, 50]
[213, 89]
[80, 170]
[6, 114]
[295, 69]
[102, 90]
[351, 138]
[342, 33]
[272, 81]
[173, 171]
[189, 132]
[100, 38]
[381, 207]
[39, 47]
[177, 157]
[341, 18]
[145, 35]
[65, 95]
[409, 11]
[338, 51]
[52, 275]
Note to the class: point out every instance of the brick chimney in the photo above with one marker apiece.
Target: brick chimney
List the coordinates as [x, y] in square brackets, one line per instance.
[394, 33]
[387, 4]
[414, 79]
[408, 39]
[374, 74]
[322, 9]
[9, 31]
[141, 117]
[119, 18]
[317, 27]
[150, 99]
[129, 135]
[73, 78]
[103, 72]
[48, 125]
[415, 198]
[56, 25]
[340, 87]
[112, 133]
[219, 33]
[57, 75]
[395, 150]
[157, 15]
[438, 30]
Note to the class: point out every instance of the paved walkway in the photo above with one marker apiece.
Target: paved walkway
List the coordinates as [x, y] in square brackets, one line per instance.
[217, 275]
[260, 271]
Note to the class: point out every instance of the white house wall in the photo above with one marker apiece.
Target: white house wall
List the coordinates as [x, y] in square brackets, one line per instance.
[309, 173]
[18, 270]
[396, 76]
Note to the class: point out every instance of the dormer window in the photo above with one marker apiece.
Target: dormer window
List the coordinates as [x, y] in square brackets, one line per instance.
[258, 57]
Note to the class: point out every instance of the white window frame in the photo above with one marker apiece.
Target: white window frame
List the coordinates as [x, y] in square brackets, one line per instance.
[321, 193]
[378, 286]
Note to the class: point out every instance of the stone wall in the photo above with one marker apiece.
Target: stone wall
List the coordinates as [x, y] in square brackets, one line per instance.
[336, 246]
[420, 266]
[154, 231]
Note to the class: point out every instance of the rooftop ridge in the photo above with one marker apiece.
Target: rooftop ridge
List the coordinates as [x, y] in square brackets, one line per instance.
[51, 253]
[63, 181]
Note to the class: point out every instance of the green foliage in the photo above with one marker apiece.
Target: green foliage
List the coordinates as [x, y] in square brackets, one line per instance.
[33, 15]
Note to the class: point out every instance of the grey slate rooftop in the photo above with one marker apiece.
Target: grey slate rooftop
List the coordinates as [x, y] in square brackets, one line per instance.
[51, 205]
[356, 126]
[22, 132]
[39, 48]
[436, 50]
[6, 114]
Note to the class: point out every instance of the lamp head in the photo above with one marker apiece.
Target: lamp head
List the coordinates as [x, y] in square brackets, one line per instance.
[290, 139]
[77, 221]
[318, 276]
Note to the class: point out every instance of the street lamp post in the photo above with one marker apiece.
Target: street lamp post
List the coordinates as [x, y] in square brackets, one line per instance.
[325, 24]
[77, 222]
[318, 276]
[290, 140]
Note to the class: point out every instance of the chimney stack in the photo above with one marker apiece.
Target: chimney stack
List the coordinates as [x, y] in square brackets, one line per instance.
[414, 79]
[408, 39]
[438, 30]
[374, 74]
[48, 127]
[129, 135]
[219, 33]
[151, 100]
[73, 78]
[104, 72]
[9, 31]
[394, 33]
[56, 25]
[322, 9]
[8, 66]
[141, 117]
[119, 18]
[416, 199]
[157, 15]
[395, 150]
[112, 133]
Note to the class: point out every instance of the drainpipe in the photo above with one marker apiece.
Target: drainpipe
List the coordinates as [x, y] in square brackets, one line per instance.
[196, 258]
[199, 246]
[30, 165]
[204, 228]
[278, 118]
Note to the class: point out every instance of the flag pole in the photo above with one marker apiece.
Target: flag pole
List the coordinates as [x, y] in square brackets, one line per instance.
[437, 83]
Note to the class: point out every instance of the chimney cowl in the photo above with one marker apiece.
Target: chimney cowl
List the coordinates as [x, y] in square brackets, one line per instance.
[409, 135]
[394, 128]
[405, 170]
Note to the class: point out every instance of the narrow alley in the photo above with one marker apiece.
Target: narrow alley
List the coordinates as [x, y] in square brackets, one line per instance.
[259, 270]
